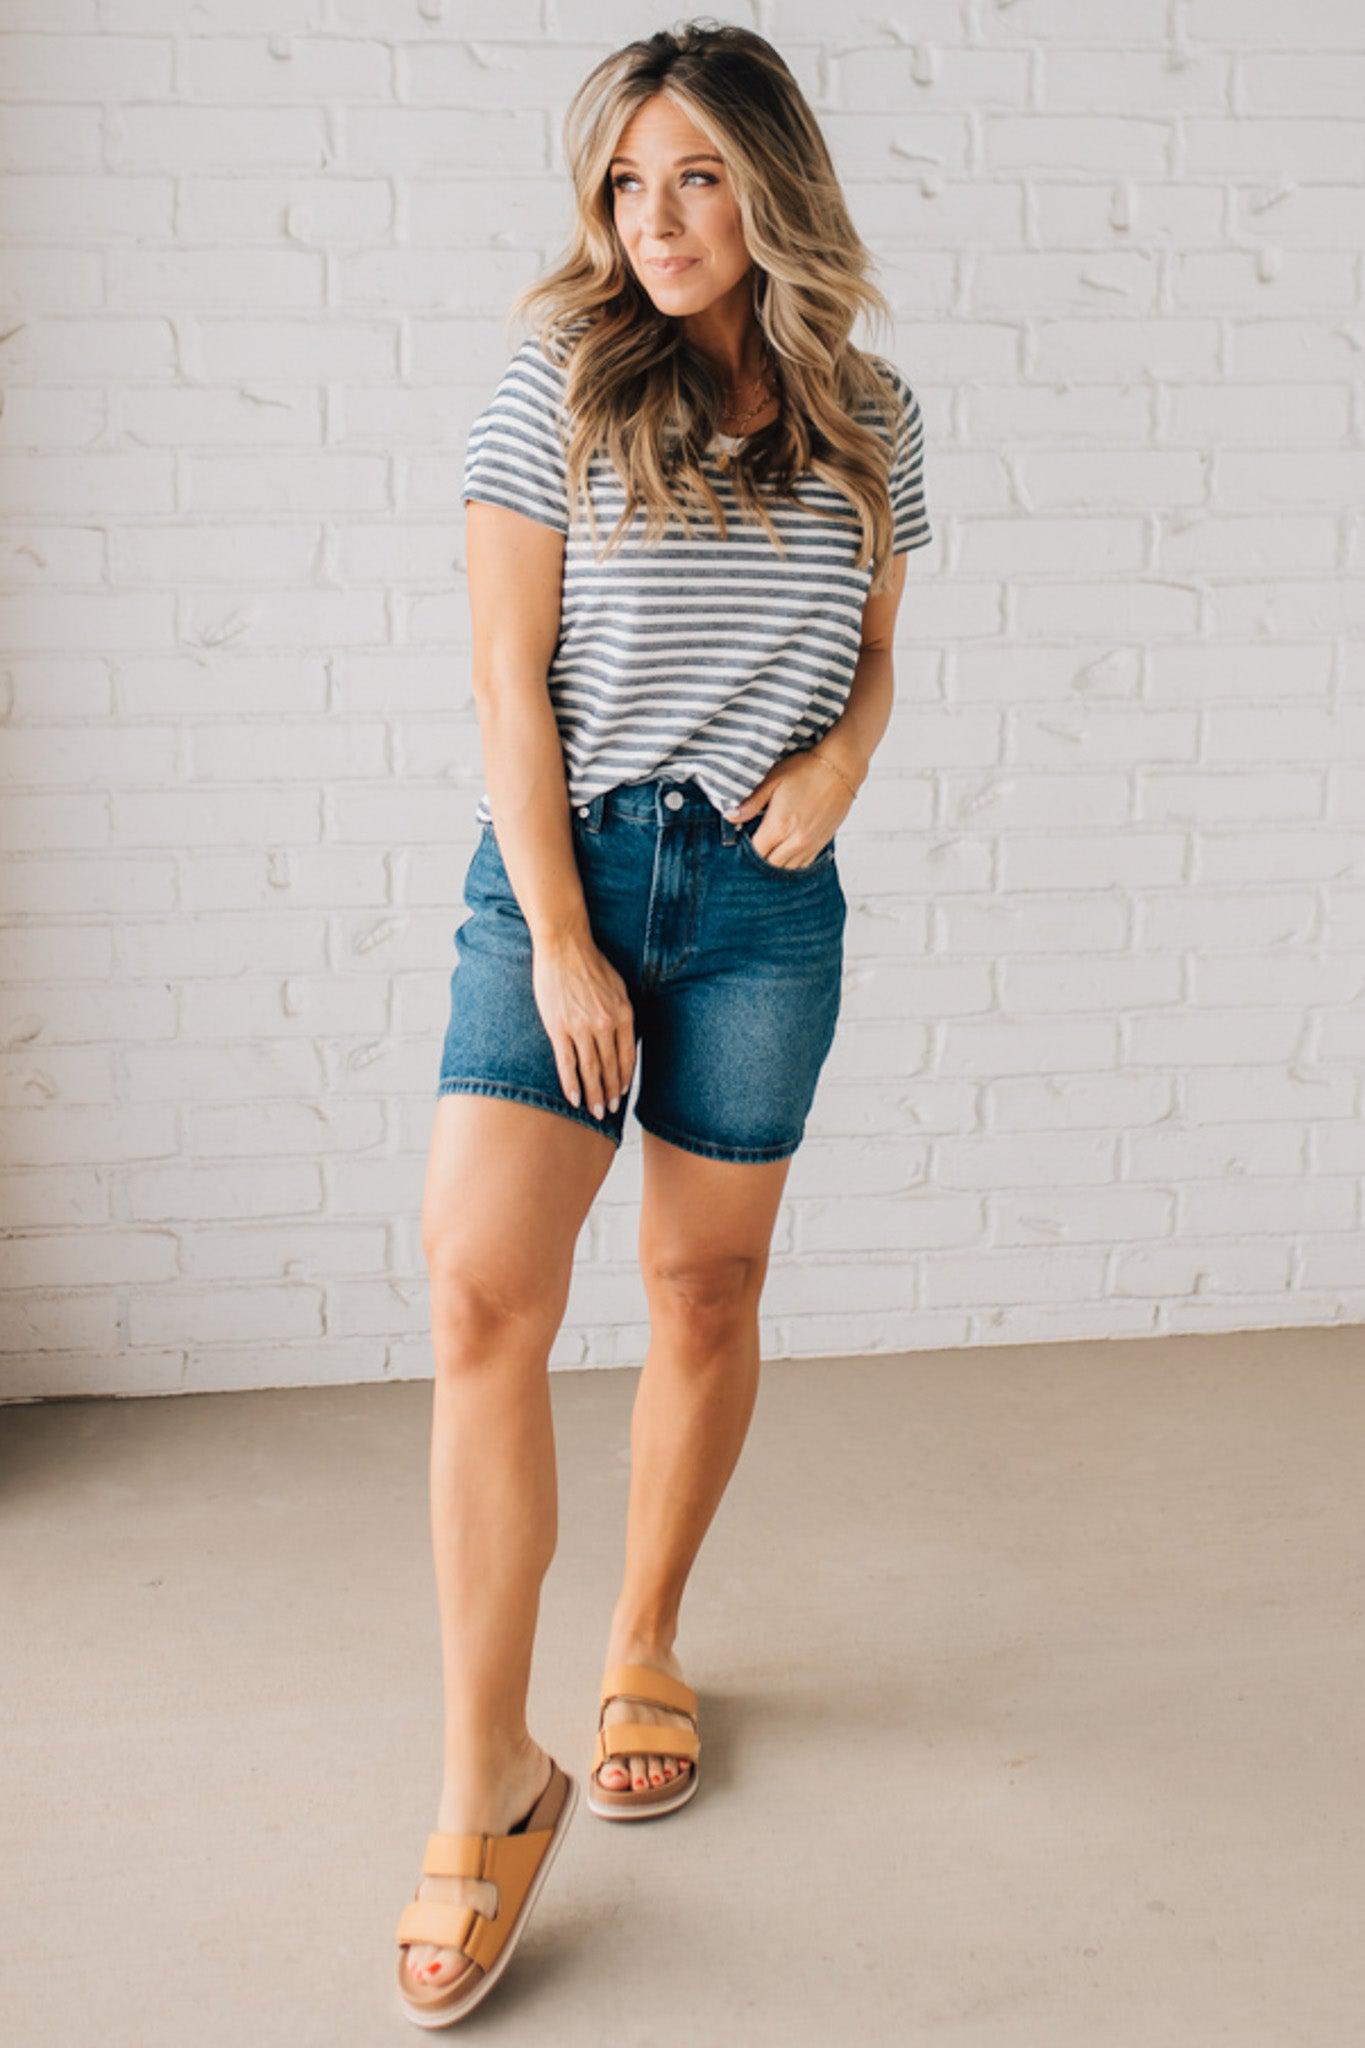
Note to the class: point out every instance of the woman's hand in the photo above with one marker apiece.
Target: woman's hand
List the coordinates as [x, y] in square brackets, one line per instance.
[585, 1007]
[807, 801]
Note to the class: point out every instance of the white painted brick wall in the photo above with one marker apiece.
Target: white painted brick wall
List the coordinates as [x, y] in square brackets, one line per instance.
[1100, 1064]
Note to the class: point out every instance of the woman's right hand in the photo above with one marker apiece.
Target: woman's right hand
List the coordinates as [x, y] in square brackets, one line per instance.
[585, 1007]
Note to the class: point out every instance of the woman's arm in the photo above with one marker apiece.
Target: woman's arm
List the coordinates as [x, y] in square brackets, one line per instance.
[516, 568]
[857, 732]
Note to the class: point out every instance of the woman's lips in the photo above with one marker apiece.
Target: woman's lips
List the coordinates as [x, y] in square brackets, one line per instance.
[669, 264]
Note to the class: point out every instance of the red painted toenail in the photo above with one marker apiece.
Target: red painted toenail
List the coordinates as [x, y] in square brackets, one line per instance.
[639, 1781]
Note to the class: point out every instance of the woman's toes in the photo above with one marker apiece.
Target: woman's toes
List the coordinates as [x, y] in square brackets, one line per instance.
[614, 1775]
[435, 1968]
[639, 1772]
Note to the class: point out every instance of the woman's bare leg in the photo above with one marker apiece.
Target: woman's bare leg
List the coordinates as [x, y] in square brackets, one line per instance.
[705, 1230]
[508, 1187]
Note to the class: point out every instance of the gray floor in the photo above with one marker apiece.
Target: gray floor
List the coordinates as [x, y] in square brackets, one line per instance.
[1031, 1714]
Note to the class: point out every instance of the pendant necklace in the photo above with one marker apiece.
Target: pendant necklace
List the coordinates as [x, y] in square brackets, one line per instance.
[725, 456]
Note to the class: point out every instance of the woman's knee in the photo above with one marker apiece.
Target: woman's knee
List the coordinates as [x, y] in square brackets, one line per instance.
[706, 1291]
[490, 1308]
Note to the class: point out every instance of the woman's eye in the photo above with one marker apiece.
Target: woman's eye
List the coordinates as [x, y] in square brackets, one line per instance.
[622, 177]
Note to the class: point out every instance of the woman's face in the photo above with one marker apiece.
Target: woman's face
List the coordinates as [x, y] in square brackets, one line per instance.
[667, 207]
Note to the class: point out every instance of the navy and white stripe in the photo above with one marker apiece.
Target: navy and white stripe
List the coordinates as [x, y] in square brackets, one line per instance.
[697, 656]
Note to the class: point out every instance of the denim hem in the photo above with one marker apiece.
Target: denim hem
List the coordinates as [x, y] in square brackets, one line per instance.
[749, 1155]
[507, 1091]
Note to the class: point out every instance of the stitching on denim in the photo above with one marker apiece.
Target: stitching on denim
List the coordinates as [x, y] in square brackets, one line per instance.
[602, 807]
[742, 1155]
[476, 1084]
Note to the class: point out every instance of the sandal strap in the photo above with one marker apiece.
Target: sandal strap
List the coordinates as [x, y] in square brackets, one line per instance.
[454, 1855]
[507, 1862]
[510, 1862]
[642, 1738]
[437, 1921]
[657, 1688]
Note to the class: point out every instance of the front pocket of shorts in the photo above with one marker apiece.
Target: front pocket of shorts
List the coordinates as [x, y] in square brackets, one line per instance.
[768, 867]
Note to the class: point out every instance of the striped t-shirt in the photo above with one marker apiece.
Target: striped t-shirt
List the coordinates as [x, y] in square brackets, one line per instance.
[697, 656]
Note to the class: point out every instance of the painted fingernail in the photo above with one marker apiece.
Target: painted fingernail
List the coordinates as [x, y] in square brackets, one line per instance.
[597, 1109]
[614, 1100]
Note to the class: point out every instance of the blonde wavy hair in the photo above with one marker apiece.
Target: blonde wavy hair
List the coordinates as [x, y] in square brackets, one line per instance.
[635, 387]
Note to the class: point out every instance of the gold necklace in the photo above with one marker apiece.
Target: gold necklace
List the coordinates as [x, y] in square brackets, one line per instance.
[725, 456]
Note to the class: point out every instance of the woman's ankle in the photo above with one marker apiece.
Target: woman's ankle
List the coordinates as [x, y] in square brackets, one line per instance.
[476, 1771]
[635, 1644]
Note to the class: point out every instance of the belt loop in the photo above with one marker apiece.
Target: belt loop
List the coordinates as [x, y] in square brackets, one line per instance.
[729, 832]
[596, 811]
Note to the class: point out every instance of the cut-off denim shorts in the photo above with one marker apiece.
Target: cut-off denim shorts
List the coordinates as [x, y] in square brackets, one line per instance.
[734, 968]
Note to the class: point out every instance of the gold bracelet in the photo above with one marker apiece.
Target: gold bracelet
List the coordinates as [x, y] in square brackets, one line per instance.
[825, 761]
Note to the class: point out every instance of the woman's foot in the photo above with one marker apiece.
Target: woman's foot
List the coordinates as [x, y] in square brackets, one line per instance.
[634, 1773]
[491, 1806]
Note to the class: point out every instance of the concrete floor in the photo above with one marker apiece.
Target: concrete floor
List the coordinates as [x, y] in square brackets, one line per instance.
[1031, 1686]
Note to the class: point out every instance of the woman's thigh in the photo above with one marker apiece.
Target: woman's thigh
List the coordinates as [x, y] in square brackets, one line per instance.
[706, 1225]
[508, 1186]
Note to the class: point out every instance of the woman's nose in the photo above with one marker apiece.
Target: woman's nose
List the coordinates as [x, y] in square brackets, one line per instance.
[657, 220]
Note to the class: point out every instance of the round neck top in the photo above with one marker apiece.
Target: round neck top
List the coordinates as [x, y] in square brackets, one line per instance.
[696, 656]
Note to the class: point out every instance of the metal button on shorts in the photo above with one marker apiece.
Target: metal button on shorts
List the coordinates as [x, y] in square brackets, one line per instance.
[733, 966]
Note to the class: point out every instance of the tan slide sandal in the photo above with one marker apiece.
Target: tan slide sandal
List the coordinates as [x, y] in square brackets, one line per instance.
[641, 1738]
[518, 1864]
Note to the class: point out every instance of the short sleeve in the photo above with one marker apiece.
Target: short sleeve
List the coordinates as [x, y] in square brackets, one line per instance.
[515, 453]
[909, 513]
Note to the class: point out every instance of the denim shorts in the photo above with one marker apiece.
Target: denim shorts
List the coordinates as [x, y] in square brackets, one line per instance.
[733, 965]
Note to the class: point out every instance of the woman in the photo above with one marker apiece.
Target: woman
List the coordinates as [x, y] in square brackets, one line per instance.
[677, 708]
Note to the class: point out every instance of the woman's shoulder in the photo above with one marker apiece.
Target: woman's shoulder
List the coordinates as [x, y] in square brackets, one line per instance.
[549, 349]
[904, 401]
[533, 371]
[536, 376]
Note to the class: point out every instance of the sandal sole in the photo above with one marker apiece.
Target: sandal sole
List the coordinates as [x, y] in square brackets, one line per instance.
[644, 1809]
[447, 2016]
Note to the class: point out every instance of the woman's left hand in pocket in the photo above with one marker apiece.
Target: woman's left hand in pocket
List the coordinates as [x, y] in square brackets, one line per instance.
[805, 802]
